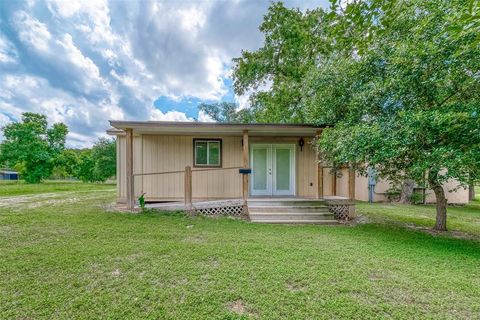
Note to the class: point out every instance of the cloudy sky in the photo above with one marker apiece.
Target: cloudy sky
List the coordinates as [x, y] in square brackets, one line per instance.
[84, 63]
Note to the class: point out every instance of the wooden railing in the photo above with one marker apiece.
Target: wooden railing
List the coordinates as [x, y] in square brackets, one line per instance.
[188, 184]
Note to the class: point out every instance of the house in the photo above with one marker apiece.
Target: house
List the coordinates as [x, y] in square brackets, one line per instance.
[263, 170]
[8, 175]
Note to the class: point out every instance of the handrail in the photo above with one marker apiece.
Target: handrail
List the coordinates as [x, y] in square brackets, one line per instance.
[215, 169]
[183, 171]
[163, 172]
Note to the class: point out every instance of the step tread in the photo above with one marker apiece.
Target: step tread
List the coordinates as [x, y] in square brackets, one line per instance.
[279, 213]
[303, 221]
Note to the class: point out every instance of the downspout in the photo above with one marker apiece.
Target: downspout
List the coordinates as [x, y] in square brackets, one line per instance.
[371, 184]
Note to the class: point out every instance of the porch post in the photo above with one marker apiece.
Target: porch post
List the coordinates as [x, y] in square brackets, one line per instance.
[129, 169]
[245, 165]
[351, 183]
[319, 172]
[334, 183]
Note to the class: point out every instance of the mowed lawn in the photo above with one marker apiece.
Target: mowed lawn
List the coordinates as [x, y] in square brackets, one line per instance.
[67, 254]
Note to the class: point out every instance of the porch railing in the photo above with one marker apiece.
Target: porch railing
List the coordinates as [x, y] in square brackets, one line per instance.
[188, 179]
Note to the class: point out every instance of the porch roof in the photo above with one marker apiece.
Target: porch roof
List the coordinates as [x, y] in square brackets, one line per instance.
[212, 128]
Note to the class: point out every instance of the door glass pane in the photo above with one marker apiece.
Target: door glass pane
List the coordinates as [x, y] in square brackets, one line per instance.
[259, 169]
[214, 153]
[200, 152]
[283, 169]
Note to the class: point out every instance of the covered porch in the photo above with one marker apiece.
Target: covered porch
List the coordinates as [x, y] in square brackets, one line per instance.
[257, 162]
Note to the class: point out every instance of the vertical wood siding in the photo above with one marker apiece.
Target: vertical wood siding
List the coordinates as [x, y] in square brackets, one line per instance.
[160, 153]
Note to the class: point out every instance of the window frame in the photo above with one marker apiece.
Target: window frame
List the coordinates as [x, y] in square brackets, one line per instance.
[220, 153]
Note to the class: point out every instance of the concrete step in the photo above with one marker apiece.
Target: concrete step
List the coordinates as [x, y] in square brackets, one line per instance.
[255, 208]
[292, 216]
[290, 203]
[301, 221]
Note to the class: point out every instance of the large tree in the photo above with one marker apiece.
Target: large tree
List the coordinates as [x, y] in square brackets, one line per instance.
[32, 146]
[226, 112]
[98, 163]
[399, 80]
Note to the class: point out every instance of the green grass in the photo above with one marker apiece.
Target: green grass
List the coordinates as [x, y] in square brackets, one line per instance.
[12, 188]
[69, 256]
[459, 218]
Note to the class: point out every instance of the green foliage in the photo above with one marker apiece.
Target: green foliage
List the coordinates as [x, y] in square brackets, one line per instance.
[274, 74]
[226, 112]
[399, 80]
[99, 163]
[31, 146]
[66, 163]
[85, 167]
[141, 201]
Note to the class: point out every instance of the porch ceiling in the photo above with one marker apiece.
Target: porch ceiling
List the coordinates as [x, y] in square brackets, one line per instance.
[208, 128]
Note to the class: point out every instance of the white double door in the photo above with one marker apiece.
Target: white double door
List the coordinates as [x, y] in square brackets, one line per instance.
[273, 169]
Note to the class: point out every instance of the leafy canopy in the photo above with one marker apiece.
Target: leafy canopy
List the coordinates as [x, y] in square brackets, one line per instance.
[32, 146]
[399, 80]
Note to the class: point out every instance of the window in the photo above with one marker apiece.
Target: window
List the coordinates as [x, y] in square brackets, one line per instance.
[207, 152]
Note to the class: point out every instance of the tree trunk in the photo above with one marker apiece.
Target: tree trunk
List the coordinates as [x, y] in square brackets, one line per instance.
[471, 192]
[407, 191]
[441, 220]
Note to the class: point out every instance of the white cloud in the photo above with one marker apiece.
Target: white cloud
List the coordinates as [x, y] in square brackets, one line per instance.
[203, 117]
[8, 53]
[31, 31]
[158, 115]
[85, 62]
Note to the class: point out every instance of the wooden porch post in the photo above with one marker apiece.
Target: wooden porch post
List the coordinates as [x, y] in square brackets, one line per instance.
[245, 165]
[188, 187]
[129, 169]
[319, 173]
[334, 183]
[351, 183]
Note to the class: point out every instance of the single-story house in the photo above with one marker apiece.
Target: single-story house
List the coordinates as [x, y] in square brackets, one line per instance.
[6, 174]
[194, 162]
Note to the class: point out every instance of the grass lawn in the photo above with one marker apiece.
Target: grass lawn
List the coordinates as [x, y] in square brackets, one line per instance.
[68, 255]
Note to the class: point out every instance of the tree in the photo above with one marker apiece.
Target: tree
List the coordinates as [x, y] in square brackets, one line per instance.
[273, 74]
[66, 163]
[32, 146]
[104, 154]
[226, 112]
[99, 163]
[398, 80]
[85, 168]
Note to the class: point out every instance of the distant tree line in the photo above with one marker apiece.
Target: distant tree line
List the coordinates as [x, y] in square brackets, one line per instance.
[38, 152]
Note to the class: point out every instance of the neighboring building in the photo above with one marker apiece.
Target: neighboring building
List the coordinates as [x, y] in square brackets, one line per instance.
[8, 175]
[282, 160]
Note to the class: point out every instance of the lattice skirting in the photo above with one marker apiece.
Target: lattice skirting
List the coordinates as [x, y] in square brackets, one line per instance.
[340, 211]
[236, 211]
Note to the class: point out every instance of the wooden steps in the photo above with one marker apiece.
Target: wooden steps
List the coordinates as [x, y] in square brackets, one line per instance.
[284, 210]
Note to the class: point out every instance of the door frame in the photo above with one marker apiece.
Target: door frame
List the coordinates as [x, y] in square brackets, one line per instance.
[271, 164]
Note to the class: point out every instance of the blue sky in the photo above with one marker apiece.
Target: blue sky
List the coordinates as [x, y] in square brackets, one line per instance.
[85, 62]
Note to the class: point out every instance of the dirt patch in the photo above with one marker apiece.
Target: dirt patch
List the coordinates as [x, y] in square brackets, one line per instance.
[195, 239]
[116, 273]
[293, 286]
[239, 307]
[452, 234]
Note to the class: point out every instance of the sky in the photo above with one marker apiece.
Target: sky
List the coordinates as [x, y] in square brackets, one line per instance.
[86, 62]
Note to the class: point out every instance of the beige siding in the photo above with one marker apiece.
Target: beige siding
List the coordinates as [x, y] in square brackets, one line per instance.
[160, 153]
[458, 196]
[306, 170]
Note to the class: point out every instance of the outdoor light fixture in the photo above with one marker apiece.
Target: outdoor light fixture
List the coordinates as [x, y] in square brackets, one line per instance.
[301, 143]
